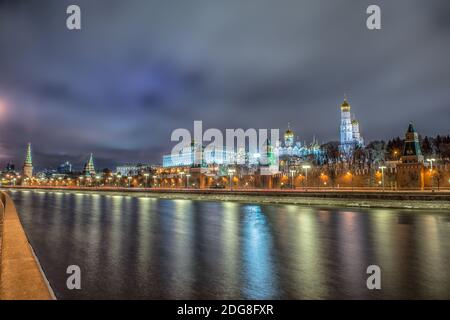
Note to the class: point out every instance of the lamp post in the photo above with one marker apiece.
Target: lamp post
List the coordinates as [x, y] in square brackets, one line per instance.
[292, 178]
[257, 156]
[187, 180]
[129, 181]
[146, 179]
[431, 172]
[306, 167]
[182, 174]
[351, 179]
[155, 181]
[230, 173]
[382, 175]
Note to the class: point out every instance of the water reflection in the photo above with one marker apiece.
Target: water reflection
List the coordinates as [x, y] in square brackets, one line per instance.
[258, 266]
[147, 248]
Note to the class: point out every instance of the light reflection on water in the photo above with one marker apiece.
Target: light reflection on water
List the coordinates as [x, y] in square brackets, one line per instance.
[146, 248]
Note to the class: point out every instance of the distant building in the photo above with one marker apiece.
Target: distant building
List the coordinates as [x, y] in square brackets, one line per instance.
[65, 168]
[10, 167]
[89, 168]
[28, 164]
[349, 130]
[127, 170]
[294, 148]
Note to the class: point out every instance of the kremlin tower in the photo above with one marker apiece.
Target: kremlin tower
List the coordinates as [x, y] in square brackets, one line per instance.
[28, 164]
[89, 169]
[350, 135]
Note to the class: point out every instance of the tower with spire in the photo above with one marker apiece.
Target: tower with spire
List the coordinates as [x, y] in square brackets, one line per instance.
[410, 171]
[89, 169]
[349, 129]
[27, 170]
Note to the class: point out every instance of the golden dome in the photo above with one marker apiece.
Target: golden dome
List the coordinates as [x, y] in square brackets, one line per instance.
[289, 132]
[354, 121]
[345, 106]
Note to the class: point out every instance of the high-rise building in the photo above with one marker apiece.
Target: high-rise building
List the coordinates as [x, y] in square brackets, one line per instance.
[349, 130]
[10, 167]
[28, 164]
[65, 168]
[89, 169]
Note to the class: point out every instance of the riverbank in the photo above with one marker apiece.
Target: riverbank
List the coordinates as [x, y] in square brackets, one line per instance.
[21, 276]
[359, 199]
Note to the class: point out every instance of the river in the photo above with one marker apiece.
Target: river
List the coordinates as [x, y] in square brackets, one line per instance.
[136, 247]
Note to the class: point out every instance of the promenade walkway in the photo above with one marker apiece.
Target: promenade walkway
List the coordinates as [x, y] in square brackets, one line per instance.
[21, 277]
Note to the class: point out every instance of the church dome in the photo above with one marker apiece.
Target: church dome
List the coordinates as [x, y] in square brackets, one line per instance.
[289, 133]
[354, 121]
[345, 106]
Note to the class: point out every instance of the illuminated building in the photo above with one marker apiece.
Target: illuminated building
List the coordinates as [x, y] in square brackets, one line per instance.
[65, 168]
[28, 164]
[411, 150]
[292, 148]
[410, 172]
[349, 129]
[89, 169]
[195, 155]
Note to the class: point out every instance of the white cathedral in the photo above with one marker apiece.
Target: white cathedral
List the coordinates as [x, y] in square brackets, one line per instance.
[350, 134]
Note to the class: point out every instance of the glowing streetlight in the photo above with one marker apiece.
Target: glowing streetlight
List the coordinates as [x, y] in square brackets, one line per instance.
[431, 172]
[230, 173]
[431, 163]
[187, 180]
[146, 175]
[257, 157]
[382, 175]
[292, 178]
[306, 167]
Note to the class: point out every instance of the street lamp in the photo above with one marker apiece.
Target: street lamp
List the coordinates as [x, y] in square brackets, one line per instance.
[306, 167]
[230, 173]
[431, 172]
[187, 180]
[129, 181]
[146, 179]
[292, 178]
[257, 156]
[182, 174]
[154, 180]
[431, 163]
[351, 178]
[382, 175]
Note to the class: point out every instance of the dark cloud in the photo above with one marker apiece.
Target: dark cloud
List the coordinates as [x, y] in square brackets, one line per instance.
[139, 69]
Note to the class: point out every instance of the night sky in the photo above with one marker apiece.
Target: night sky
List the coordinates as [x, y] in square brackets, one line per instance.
[140, 69]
